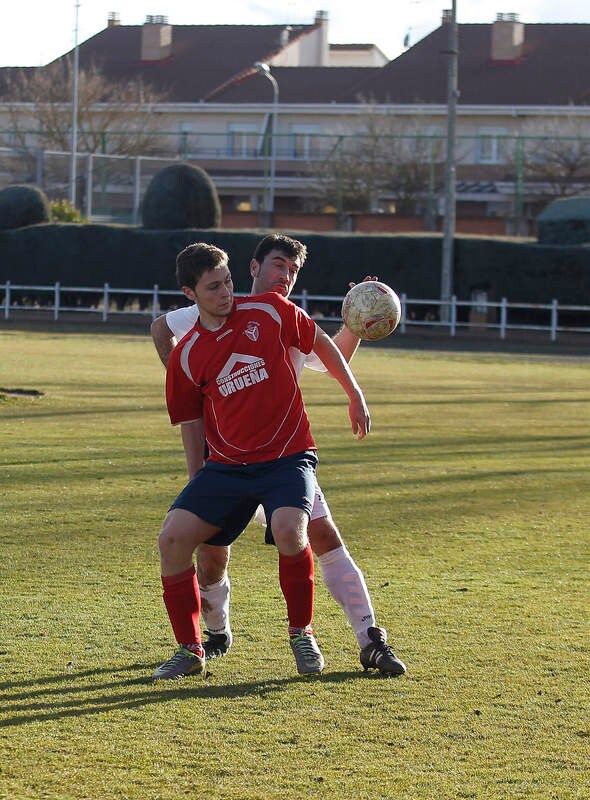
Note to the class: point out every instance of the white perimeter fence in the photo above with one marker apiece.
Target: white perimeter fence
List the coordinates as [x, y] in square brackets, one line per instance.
[108, 302]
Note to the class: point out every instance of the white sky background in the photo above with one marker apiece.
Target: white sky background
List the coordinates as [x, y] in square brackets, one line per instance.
[34, 33]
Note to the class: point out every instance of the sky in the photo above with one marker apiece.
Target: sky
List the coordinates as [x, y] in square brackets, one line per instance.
[34, 33]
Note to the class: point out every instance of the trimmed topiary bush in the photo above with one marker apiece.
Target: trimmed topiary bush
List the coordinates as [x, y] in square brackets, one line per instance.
[181, 196]
[565, 221]
[21, 206]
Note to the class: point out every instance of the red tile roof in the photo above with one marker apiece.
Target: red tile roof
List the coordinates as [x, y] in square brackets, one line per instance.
[554, 69]
[205, 59]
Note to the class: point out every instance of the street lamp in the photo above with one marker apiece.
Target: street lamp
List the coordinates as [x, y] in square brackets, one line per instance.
[264, 69]
[74, 133]
[446, 288]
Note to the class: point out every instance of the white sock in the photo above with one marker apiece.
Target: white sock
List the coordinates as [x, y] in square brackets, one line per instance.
[346, 584]
[215, 607]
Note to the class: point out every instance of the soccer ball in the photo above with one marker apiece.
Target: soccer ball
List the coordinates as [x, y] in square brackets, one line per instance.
[371, 310]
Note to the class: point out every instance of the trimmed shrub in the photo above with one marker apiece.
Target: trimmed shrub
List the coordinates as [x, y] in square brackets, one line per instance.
[21, 206]
[565, 221]
[181, 196]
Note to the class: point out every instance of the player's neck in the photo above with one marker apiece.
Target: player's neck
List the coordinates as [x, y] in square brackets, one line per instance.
[211, 322]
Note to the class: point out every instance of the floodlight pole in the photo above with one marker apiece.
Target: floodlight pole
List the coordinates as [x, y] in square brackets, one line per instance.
[74, 136]
[269, 203]
[446, 278]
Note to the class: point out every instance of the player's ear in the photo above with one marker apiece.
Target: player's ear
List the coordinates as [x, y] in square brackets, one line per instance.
[254, 268]
[189, 294]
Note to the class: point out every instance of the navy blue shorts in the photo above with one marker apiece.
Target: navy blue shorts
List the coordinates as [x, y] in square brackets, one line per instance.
[227, 495]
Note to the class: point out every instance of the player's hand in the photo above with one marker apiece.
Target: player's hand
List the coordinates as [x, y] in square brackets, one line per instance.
[359, 416]
[366, 278]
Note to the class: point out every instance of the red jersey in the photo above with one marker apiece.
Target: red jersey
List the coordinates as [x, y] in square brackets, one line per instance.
[241, 380]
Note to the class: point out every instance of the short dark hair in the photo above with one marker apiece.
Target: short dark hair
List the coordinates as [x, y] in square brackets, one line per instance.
[278, 241]
[196, 259]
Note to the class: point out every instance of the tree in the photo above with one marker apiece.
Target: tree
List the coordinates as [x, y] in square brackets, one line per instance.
[391, 160]
[554, 160]
[38, 103]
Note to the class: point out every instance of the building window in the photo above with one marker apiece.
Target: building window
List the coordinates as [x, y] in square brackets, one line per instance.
[242, 140]
[491, 146]
[305, 142]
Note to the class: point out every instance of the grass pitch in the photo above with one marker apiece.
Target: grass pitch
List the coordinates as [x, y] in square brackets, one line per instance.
[467, 509]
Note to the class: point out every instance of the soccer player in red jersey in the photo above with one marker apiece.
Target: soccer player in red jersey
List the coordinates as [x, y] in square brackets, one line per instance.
[275, 266]
[240, 380]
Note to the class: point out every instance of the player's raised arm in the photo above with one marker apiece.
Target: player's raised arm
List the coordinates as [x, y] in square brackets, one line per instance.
[337, 367]
[345, 340]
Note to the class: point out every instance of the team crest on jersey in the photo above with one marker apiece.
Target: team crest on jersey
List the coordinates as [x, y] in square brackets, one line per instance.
[252, 331]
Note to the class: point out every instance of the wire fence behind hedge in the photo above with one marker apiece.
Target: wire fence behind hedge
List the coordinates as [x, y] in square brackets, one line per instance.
[106, 302]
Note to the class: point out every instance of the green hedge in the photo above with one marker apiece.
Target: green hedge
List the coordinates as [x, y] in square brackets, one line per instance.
[129, 257]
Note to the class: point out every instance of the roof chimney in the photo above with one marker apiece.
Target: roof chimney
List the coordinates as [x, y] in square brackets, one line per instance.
[321, 56]
[285, 36]
[156, 38]
[113, 19]
[507, 38]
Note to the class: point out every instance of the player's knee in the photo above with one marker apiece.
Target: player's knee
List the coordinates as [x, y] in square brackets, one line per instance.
[290, 540]
[172, 540]
[323, 535]
[289, 529]
[167, 542]
[211, 564]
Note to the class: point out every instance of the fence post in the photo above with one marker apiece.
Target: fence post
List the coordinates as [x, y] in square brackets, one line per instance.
[503, 317]
[56, 301]
[304, 299]
[554, 320]
[453, 321]
[403, 302]
[39, 157]
[136, 190]
[89, 166]
[155, 302]
[105, 303]
[7, 301]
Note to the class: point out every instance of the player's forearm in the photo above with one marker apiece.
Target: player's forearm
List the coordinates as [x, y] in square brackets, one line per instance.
[163, 338]
[335, 363]
[332, 357]
[346, 342]
[193, 441]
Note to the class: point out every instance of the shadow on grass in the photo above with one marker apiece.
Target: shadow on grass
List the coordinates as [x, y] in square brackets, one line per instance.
[58, 696]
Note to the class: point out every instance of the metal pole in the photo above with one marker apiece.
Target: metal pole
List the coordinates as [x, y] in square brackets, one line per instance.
[89, 179]
[519, 188]
[446, 279]
[136, 191]
[74, 110]
[273, 143]
[264, 69]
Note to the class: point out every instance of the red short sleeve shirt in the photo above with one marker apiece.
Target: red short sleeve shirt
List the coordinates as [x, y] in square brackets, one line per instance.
[241, 380]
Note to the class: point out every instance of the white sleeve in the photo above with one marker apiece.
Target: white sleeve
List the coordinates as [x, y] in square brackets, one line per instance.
[312, 361]
[181, 320]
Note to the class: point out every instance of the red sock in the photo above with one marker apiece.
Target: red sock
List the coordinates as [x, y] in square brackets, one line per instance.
[296, 578]
[183, 603]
